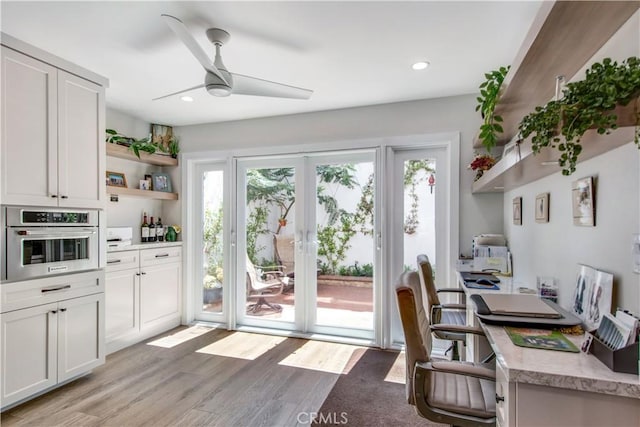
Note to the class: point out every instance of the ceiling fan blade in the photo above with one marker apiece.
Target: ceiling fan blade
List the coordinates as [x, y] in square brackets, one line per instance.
[178, 27]
[179, 92]
[245, 85]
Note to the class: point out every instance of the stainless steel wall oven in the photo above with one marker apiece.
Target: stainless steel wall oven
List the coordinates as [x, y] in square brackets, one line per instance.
[39, 242]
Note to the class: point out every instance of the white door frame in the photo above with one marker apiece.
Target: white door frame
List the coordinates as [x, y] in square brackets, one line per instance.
[386, 305]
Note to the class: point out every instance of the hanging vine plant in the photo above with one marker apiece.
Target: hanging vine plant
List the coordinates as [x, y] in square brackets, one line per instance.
[585, 104]
[489, 96]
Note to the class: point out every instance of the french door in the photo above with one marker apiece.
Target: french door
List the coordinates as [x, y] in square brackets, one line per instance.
[306, 258]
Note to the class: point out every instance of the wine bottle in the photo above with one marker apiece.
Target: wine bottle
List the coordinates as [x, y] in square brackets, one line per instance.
[159, 230]
[144, 229]
[152, 231]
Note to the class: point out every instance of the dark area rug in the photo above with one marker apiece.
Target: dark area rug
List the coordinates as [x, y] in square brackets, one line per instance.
[362, 397]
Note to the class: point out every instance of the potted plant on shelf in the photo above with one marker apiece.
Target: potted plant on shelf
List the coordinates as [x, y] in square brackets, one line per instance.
[487, 101]
[174, 147]
[585, 104]
[481, 163]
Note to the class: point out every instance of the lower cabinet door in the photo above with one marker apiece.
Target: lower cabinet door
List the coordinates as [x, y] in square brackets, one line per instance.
[29, 347]
[159, 294]
[122, 308]
[80, 335]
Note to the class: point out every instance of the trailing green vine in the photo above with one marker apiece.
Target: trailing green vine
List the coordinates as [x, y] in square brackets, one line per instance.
[489, 95]
[585, 104]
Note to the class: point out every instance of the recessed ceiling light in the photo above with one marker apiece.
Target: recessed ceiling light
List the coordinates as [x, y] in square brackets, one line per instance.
[186, 98]
[420, 65]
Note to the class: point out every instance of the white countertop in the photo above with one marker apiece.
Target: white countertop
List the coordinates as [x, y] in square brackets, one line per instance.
[137, 246]
[575, 371]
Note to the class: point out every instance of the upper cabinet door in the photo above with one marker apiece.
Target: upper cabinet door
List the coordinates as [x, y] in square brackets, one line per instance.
[29, 143]
[81, 150]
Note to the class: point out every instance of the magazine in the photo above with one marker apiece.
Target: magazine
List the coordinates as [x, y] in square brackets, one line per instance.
[540, 338]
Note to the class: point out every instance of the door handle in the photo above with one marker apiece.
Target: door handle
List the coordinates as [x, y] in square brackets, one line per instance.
[298, 242]
[310, 241]
[379, 241]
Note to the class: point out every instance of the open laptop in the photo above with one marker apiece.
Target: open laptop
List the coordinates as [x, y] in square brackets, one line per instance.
[519, 305]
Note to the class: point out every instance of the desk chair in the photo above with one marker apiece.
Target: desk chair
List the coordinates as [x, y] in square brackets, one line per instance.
[458, 393]
[448, 314]
[262, 286]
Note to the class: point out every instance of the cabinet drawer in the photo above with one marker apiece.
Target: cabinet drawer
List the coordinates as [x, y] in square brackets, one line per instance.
[125, 260]
[29, 293]
[160, 256]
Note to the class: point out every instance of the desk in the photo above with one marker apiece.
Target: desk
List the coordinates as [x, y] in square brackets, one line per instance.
[554, 388]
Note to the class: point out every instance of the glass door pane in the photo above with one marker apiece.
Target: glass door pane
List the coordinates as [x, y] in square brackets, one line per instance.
[268, 252]
[344, 238]
[211, 290]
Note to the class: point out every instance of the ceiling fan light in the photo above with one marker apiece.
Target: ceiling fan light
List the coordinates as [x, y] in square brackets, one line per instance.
[420, 65]
[218, 90]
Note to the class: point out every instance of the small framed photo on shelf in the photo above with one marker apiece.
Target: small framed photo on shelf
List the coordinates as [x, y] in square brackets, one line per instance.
[517, 211]
[542, 207]
[145, 184]
[116, 179]
[583, 202]
[161, 182]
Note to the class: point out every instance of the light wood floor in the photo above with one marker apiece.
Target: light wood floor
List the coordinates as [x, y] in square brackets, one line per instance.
[147, 385]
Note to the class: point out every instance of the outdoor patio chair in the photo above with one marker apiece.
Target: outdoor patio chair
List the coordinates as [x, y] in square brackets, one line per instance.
[263, 285]
[284, 246]
[438, 313]
[458, 393]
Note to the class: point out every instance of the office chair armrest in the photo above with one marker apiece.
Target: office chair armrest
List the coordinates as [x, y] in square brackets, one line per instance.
[452, 290]
[463, 329]
[451, 306]
[459, 369]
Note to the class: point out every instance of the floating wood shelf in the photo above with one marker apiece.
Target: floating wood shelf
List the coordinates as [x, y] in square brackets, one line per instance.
[122, 152]
[161, 195]
[562, 38]
[521, 167]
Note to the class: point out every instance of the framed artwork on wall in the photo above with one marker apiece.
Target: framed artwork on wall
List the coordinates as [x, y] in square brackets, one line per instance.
[542, 207]
[583, 202]
[517, 211]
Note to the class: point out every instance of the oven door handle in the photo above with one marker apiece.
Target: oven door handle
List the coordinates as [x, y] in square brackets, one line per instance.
[79, 233]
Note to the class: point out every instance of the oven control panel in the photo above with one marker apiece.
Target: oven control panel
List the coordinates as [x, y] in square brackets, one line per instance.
[49, 217]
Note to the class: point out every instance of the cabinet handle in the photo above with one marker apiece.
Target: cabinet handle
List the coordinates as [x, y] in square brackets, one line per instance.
[54, 196]
[55, 289]
[64, 197]
[143, 273]
[499, 399]
[63, 309]
[162, 255]
[137, 274]
[54, 311]
[114, 261]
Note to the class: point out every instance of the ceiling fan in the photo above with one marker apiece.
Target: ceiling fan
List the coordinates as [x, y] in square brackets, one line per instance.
[220, 82]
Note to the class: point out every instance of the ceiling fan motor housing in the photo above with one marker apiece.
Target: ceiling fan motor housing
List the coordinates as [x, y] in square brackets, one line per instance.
[215, 86]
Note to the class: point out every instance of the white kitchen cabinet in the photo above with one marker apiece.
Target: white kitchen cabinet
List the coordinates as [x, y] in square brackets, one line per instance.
[52, 144]
[80, 335]
[143, 294]
[159, 294]
[29, 345]
[49, 344]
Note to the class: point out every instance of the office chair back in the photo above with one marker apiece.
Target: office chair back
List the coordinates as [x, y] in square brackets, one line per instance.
[457, 393]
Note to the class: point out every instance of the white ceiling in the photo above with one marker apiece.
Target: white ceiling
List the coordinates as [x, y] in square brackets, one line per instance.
[350, 53]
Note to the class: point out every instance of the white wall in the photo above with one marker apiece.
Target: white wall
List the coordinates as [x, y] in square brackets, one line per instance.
[557, 247]
[478, 214]
[127, 211]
